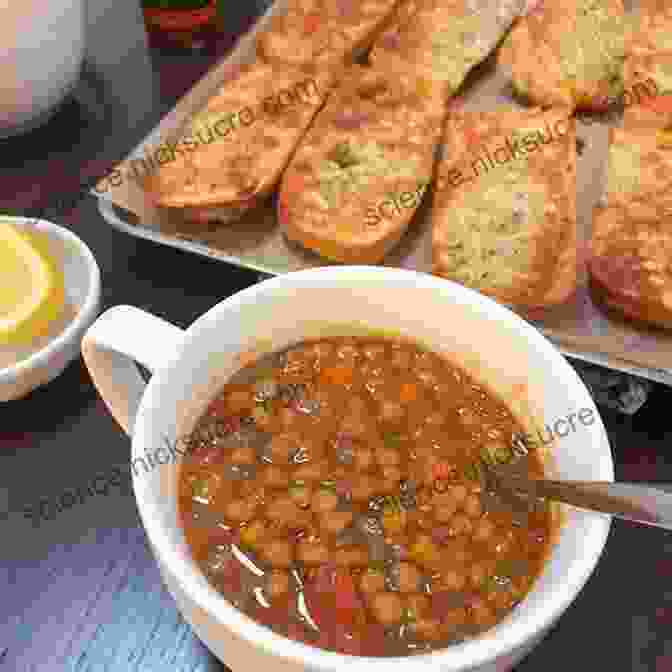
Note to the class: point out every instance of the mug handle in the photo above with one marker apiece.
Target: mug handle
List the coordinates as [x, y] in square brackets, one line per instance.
[119, 338]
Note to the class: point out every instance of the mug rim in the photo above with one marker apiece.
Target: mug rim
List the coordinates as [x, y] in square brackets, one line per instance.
[505, 637]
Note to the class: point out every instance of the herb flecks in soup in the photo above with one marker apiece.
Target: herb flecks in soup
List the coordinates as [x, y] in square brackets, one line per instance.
[335, 493]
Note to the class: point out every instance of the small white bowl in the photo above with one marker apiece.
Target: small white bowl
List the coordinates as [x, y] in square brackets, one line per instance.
[82, 291]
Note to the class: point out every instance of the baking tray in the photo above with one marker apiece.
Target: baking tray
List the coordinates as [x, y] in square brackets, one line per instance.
[579, 329]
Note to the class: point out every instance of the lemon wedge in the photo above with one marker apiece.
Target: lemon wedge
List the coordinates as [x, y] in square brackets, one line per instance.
[32, 293]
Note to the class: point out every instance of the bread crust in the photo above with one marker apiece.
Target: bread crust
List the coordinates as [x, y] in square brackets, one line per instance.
[631, 246]
[510, 232]
[535, 53]
[374, 140]
[230, 171]
[442, 40]
[324, 32]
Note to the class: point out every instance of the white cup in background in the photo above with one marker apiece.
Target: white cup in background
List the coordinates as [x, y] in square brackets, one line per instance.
[42, 53]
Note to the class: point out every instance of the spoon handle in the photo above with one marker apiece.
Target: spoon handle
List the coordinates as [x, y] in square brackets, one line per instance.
[630, 501]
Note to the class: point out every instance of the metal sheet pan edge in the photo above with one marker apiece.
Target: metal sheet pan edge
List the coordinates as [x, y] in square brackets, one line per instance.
[108, 212]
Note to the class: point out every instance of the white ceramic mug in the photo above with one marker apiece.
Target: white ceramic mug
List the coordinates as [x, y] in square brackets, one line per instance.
[189, 367]
[42, 54]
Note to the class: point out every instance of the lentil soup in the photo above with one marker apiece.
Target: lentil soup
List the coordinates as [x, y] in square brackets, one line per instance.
[334, 492]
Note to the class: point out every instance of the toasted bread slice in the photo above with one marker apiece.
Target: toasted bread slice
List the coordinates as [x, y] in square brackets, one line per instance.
[648, 68]
[443, 40]
[630, 266]
[648, 90]
[631, 247]
[653, 31]
[504, 210]
[569, 54]
[362, 169]
[232, 153]
[324, 32]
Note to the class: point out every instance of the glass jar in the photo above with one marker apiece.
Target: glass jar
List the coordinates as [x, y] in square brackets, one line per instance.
[188, 23]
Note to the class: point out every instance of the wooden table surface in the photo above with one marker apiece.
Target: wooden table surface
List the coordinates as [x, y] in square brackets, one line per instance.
[79, 589]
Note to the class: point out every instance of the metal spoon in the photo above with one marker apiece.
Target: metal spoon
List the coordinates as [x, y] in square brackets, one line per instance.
[630, 501]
